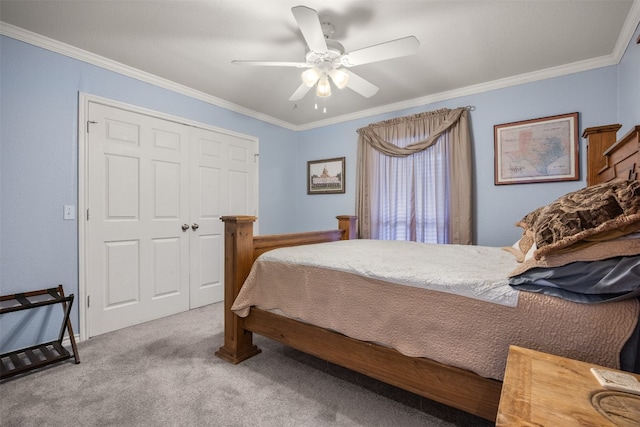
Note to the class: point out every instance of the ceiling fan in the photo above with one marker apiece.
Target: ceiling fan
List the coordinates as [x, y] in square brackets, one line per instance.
[326, 59]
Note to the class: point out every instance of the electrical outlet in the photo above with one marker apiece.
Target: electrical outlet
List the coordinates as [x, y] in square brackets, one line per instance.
[69, 212]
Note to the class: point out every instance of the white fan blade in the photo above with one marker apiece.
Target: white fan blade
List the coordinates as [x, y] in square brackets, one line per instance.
[271, 63]
[360, 85]
[380, 52]
[310, 27]
[300, 92]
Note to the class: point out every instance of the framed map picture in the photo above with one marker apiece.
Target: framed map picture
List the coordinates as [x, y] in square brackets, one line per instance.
[537, 150]
[325, 176]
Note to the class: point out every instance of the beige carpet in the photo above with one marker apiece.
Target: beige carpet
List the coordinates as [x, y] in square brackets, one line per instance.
[164, 373]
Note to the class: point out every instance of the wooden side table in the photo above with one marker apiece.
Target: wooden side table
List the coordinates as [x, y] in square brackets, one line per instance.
[541, 389]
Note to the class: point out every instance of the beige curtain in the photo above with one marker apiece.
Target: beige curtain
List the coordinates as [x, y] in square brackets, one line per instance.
[422, 130]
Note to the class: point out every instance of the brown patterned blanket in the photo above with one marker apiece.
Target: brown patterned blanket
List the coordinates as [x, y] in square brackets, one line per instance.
[596, 213]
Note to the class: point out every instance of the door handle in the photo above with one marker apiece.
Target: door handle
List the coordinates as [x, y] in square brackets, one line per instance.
[185, 227]
[195, 226]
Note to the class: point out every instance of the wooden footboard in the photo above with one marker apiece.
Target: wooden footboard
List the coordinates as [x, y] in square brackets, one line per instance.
[241, 248]
[452, 386]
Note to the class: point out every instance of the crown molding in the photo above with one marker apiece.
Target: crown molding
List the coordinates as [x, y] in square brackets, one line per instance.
[108, 64]
[631, 24]
[548, 73]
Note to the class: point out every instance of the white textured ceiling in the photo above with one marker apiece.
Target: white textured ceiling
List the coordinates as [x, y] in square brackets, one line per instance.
[465, 46]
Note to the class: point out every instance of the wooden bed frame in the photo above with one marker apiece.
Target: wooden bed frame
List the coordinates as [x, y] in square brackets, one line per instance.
[449, 385]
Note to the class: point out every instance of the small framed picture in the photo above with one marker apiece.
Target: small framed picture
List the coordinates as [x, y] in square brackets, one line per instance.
[325, 176]
[537, 150]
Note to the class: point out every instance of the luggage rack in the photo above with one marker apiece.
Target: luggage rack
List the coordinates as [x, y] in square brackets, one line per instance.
[28, 358]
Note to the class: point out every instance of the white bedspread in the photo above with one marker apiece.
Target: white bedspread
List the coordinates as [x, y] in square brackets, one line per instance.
[477, 272]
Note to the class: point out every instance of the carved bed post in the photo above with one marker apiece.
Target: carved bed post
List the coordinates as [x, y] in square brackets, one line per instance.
[238, 259]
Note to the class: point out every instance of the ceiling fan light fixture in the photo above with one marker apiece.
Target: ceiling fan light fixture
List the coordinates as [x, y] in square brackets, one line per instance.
[324, 87]
[340, 78]
[310, 77]
[325, 57]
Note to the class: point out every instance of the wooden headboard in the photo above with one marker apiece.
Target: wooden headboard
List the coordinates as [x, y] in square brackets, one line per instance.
[607, 158]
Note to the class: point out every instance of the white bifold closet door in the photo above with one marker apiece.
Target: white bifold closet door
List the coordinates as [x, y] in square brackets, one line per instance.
[156, 191]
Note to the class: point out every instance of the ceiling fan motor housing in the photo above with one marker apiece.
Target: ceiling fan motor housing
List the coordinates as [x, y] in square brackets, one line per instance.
[326, 61]
[327, 29]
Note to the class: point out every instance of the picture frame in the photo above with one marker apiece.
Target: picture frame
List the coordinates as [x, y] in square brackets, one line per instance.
[326, 176]
[537, 150]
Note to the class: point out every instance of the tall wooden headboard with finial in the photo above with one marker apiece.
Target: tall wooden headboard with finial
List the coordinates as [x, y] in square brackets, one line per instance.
[609, 159]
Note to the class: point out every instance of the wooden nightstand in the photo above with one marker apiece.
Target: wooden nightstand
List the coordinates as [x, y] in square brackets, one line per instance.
[540, 389]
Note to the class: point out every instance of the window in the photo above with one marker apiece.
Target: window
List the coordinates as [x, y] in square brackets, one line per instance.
[413, 195]
[414, 178]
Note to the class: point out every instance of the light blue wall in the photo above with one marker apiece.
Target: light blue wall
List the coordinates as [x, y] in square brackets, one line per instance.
[629, 86]
[39, 153]
[497, 208]
[39, 158]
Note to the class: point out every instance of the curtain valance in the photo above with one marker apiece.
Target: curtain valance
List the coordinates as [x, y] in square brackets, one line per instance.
[371, 133]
